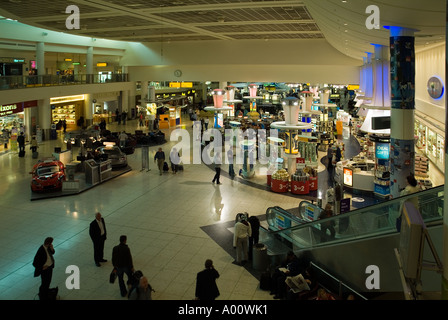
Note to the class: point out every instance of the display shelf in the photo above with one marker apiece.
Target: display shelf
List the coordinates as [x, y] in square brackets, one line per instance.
[421, 166]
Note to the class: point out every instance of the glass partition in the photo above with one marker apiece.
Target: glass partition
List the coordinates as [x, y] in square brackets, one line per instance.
[378, 219]
[22, 82]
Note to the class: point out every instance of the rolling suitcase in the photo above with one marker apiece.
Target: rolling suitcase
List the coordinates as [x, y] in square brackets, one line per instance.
[35, 155]
[165, 167]
[21, 153]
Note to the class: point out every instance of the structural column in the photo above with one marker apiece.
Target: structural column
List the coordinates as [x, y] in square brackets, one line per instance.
[40, 60]
[89, 65]
[44, 110]
[88, 109]
[402, 81]
[381, 67]
[445, 203]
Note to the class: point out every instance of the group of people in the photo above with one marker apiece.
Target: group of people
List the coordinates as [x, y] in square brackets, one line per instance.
[120, 117]
[137, 284]
[245, 237]
[159, 159]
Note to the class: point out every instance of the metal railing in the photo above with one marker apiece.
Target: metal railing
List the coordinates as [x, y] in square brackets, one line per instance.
[23, 82]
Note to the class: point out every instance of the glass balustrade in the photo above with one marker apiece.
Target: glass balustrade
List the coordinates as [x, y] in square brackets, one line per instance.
[22, 82]
[375, 220]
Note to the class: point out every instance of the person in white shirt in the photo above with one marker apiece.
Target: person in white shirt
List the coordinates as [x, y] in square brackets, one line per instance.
[241, 236]
[123, 137]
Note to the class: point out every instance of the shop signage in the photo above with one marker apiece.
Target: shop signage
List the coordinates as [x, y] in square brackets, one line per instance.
[348, 177]
[12, 60]
[66, 99]
[311, 212]
[352, 87]
[282, 222]
[345, 205]
[382, 151]
[10, 109]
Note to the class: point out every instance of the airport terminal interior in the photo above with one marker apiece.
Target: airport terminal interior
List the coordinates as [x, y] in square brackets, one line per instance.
[344, 102]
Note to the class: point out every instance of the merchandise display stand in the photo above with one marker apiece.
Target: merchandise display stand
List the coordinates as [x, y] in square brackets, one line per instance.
[249, 153]
[218, 108]
[230, 99]
[275, 163]
[291, 126]
[382, 166]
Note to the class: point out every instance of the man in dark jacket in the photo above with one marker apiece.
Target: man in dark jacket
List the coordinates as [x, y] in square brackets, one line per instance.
[97, 232]
[21, 141]
[44, 263]
[253, 239]
[122, 261]
[206, 288]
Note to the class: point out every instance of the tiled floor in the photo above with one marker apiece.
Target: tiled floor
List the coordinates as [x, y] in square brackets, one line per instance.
[162, 217]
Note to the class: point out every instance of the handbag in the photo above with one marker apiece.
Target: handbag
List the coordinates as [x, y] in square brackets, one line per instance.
[113, 275]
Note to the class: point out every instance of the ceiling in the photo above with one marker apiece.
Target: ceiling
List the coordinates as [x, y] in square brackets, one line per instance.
[340, 22]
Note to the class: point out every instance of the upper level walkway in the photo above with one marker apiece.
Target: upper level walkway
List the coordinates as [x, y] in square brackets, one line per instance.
[23, 82]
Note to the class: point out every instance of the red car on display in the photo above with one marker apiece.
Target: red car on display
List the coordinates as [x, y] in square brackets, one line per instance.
[48, 175]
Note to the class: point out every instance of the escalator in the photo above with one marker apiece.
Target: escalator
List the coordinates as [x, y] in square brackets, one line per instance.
[364, 237]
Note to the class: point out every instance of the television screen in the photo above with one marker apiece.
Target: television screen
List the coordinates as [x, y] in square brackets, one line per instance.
[380, 123]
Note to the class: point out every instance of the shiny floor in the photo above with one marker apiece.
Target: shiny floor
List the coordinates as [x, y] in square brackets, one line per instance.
[162, 217]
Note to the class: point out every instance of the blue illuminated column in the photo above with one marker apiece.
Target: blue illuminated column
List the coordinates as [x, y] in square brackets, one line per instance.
[402, 84]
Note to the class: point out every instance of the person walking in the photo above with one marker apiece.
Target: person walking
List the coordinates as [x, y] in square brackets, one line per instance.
[43, 264]
[175, 160]
[123, 137]
[122, 262]
[241, 235]
[34, 144]
[217, 161]
[98, 234]
[230, 160]
[140, 118]
[21, 142]
[206, 288]
[159, 157]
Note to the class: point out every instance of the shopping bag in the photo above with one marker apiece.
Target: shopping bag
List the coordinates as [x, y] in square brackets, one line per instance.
[113, 276]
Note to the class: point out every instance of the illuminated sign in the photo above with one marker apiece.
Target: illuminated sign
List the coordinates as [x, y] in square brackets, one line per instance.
[101, 64]
[181, 84]
[66, 99]
[352, 87]
[348, 177]
[68, 60]
[10, 109]
[382, 151]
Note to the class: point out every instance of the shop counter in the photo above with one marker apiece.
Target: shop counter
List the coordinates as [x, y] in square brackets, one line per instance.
[356, 175]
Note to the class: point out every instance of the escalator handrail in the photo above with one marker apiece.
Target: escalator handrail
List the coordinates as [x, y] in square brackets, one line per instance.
[371, 208]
